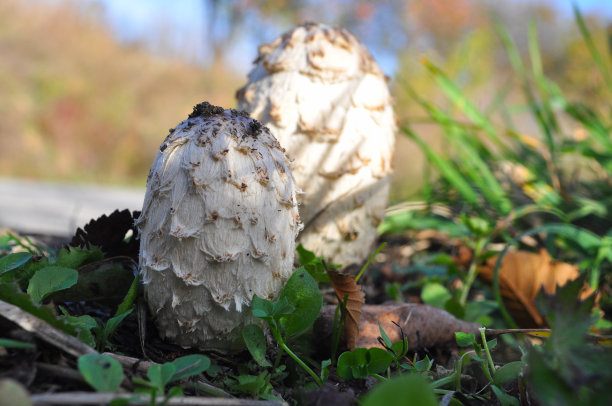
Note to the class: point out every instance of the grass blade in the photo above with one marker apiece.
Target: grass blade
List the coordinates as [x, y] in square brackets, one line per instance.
[457, 97]
[450, 173]
[605, 71]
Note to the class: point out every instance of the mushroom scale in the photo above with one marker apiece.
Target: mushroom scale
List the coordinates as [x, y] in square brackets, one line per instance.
[327, 102]
[218, 225]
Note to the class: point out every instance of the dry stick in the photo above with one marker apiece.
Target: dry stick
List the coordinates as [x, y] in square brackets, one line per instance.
[68, 373]
[60, 371]
[202, 385]
[48, 333]
[44, 330]
[86, 398]
[76, 348]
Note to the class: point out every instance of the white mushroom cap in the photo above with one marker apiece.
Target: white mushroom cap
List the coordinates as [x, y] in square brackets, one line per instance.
[218, 226]
[328, 104]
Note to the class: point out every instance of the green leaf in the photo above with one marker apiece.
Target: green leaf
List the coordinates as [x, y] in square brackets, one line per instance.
[129, 299]
[7, 343]
[409, 217]
[10, 292]
[423, 365]
[435, 294]
[325, 364]
[261, 308]
[362, 362]
[175, 391]
[268, 310]
[384, 336]
[111, 326]
[109, 280]
[255, 341]
[314, 264]
[67, 258]
[49, 280]
[102, 372]
[74, 257]
[408, 389]
[353, 364]
[400, 348]
[565, 367]
[477, 225]
[13, 261]
[378, 360]
[189, 365]
[476, 309]
[302, 292]
[503, 397]
[160, 375]
[306, 257]
[454, 307]
[83, 326]
[464, 339]
[254, 385]
[508, 372]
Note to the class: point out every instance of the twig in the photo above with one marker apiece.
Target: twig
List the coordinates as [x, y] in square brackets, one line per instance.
[60, 372]
[86, 398]
[203, 386]
[44, 330]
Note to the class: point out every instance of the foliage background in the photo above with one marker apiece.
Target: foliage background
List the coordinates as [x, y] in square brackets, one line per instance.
[80, 103]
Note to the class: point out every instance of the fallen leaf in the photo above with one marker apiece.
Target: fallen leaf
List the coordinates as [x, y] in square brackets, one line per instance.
[345, 286]
[424, 326]
[521, 276]
[109, 233]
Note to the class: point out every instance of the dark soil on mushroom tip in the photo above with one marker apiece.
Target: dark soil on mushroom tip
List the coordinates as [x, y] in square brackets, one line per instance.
[205, 109]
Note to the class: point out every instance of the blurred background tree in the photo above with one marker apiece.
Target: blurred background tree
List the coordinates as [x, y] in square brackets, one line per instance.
[87, 95]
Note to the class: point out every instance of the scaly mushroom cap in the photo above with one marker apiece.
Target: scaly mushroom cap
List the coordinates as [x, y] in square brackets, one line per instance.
[218, 226]
[327, 102]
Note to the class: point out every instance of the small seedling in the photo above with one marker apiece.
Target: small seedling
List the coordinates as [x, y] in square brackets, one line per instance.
[293, 313]
[161, 375]
[482, 354]
[362, 362]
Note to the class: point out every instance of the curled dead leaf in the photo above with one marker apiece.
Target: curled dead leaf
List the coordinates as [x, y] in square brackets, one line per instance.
[345, 287]
[522, 275]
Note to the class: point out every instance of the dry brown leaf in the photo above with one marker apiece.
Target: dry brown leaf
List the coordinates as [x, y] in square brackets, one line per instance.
[522, 275]
[345, 286]
[424, 326]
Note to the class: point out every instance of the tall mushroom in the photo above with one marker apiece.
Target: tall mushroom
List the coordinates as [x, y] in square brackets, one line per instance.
[327, 102]
[218, 226]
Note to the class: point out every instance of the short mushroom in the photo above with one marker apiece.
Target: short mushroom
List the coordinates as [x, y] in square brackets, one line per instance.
[218, 226]
[327, 102]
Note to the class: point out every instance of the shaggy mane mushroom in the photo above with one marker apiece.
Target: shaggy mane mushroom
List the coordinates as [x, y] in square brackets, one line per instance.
[218, 226]
[327, 102]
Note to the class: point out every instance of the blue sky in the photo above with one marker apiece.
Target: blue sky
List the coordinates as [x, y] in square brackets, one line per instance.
[178, 25]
